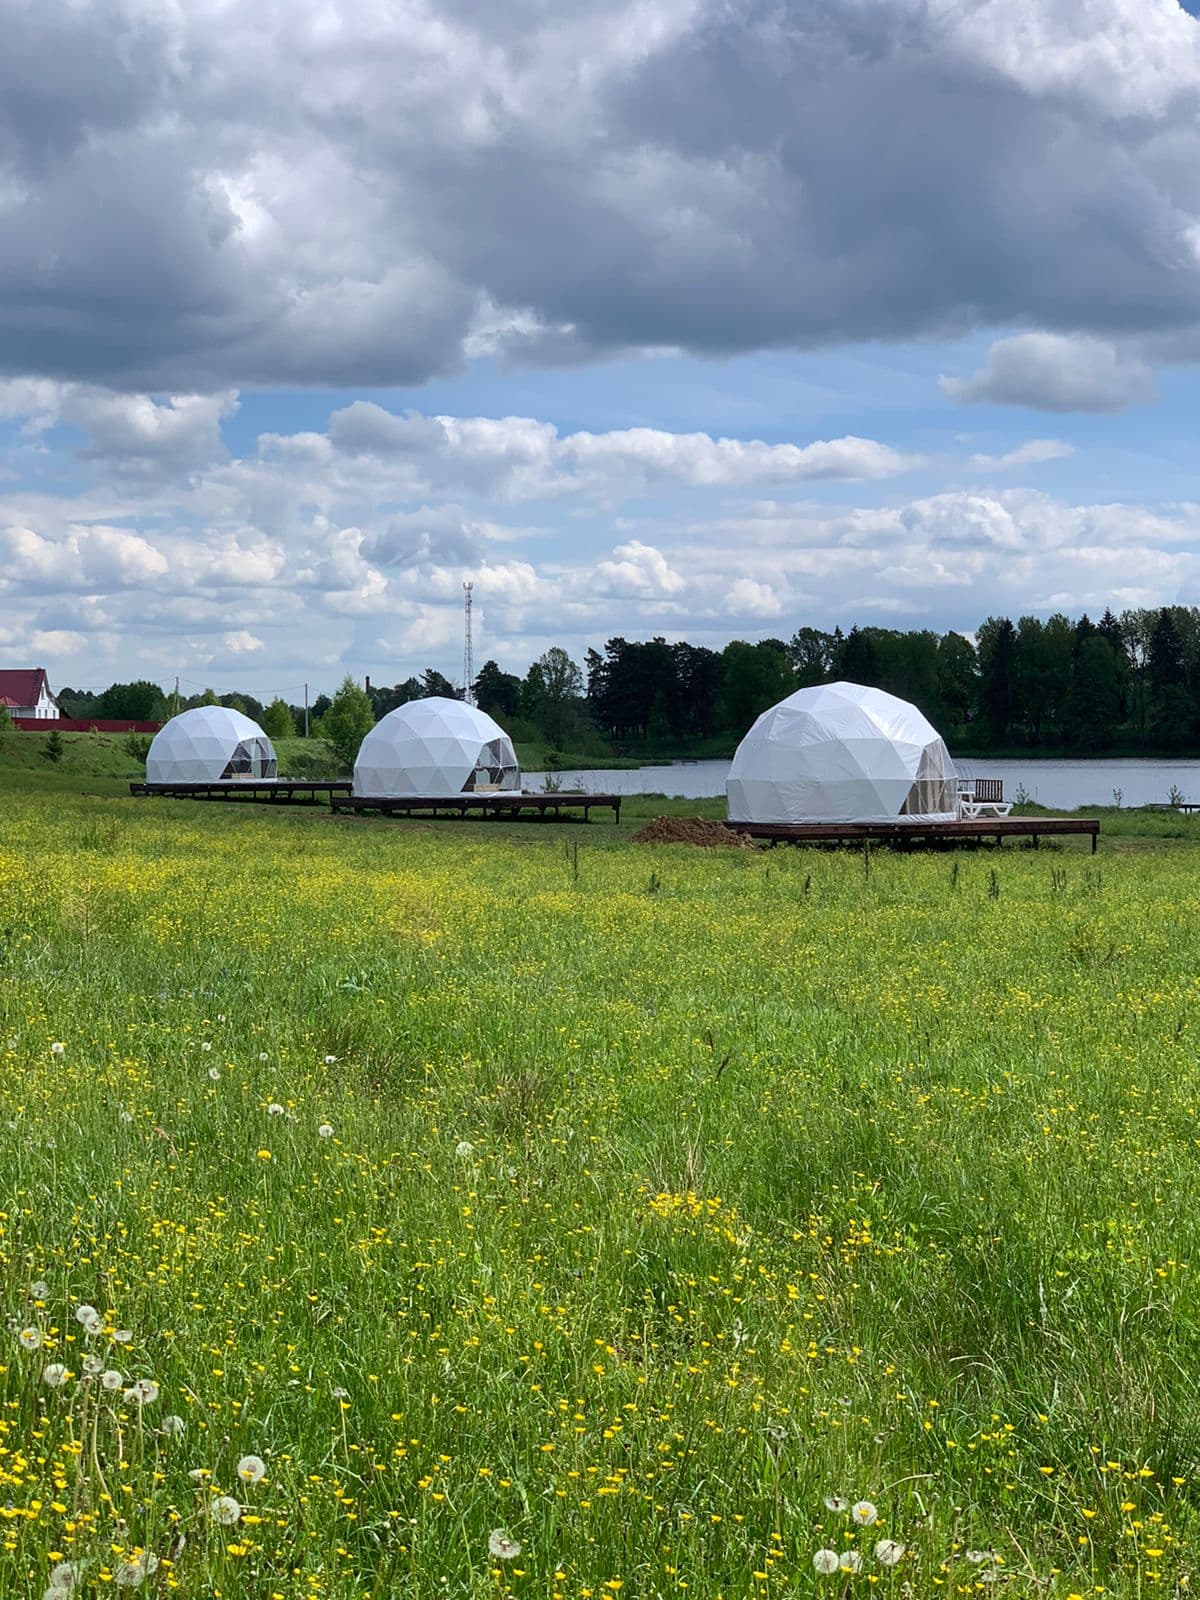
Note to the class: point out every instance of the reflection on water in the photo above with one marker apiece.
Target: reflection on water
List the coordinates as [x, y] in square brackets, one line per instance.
[1061, 785]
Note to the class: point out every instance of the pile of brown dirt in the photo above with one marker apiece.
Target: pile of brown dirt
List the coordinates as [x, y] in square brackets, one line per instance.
[692, 830]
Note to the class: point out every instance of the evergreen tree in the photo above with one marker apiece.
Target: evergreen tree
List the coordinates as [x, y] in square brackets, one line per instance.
[997, 678]
[1095, 698]
[496, 692]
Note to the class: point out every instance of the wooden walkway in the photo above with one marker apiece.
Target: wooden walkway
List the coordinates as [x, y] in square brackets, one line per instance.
[508, 805]
[928, 835]
[269, 791]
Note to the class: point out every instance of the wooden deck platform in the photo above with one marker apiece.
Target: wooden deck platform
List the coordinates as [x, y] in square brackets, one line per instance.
[269, 791]
[927, 835]
[510, 805]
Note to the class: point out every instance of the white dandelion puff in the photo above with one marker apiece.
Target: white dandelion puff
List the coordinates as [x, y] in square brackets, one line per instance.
[263, 1056]
[226, 1510]
[57, 1048]
[123, 1336]
[825, 1562]
[111, 1380]
[502, 1545]
[215, 1074]
[173, 1424]
[864, 1513]
[330, 1061]
[89, 1319]
[132, 1574]
[464, 1149]
[325, 1131]
[836, 1502]
[198, 1474]
[978, 1557]
[30, 1338]
[252, 1469]
[889, 1551]
[850, 1561]
[39, 1290]
[55, 1375]
[340, 1393]
[144, 1391]
[63, 1578]
[206, 1044]
[92, 1366]
[274, 1109]
[126, 1116]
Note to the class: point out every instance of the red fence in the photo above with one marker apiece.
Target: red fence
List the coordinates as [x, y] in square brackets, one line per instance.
[82, 725]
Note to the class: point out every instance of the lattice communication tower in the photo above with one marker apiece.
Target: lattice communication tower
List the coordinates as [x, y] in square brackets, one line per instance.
[468, 654]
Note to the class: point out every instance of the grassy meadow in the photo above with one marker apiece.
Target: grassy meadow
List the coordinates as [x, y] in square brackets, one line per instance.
[407, 1210]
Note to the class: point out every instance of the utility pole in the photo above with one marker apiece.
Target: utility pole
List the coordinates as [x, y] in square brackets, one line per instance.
[306, 711]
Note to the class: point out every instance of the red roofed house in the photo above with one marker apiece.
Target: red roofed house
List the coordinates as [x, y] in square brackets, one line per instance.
[27, 694]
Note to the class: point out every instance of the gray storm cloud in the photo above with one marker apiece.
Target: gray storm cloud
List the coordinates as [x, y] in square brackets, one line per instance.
[199, 197]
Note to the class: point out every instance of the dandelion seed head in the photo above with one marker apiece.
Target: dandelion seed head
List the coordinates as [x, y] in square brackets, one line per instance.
[214, 1073]
[123, 1336]
[825, 1562]
[274, 1109]
[30, 1338]
[125, 1116]
[330, 1061]
[144, 1391]
[325, 1131]
[55, 1375]
[502, 1546]
[39, 1290]
[226, 1510]
[57, 1048]
[92, 1365]
[850, 1561]
[836, 1502]
[252, 1469]
[89, 1319]
[889, 1551]
[464, 1149]
[864, 1513]
[173, 1424]
[111, 1380]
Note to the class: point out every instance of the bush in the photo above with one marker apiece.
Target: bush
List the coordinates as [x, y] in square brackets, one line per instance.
[137, 745]
[54, 747]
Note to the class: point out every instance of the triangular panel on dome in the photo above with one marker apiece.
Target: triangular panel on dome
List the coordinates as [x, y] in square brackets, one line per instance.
[841, 752]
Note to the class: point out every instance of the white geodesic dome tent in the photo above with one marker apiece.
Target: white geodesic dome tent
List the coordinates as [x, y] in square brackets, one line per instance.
[210, 744]
[842, 753]
[435, 747]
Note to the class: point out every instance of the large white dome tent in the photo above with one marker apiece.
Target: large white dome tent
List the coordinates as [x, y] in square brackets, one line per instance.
[435, 747]
[842, 752]
[210, 744]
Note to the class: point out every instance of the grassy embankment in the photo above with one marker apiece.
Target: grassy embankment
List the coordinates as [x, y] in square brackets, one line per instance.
[634, 1202]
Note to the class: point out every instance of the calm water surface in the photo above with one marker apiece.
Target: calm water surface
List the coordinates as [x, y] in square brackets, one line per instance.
[1059, 784]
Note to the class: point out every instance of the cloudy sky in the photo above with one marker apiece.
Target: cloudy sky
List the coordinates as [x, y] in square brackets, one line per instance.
[708, 318]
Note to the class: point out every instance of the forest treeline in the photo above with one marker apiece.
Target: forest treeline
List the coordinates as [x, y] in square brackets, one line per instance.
[1059, 684]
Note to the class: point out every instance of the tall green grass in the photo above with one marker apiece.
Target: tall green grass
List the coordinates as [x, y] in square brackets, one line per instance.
[624, 1204]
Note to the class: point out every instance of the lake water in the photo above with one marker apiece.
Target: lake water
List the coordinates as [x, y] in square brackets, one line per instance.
[1062, 785]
